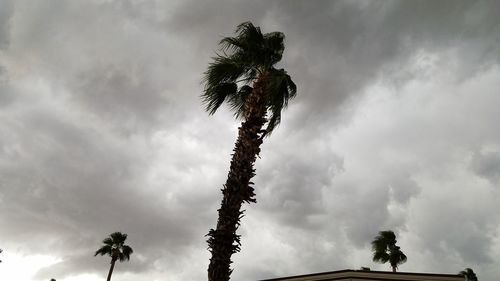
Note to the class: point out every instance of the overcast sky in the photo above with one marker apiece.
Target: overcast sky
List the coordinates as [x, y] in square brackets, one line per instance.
[395, 126]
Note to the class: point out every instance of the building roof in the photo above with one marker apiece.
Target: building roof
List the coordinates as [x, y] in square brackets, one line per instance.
[371, 275]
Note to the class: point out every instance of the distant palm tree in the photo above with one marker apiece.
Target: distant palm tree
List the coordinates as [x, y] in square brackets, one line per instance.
[385, 250]
[469, 274]
[244, 75]
[114, 246]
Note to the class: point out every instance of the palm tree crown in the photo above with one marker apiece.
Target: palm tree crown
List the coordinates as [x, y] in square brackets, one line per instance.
[469, 274]
[114, 246]
[385, 250]
[243, 60]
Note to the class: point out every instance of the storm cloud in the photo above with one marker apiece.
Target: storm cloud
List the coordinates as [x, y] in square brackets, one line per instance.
[394, 127]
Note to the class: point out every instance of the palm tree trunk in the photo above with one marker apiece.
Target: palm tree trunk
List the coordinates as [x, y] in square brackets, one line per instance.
[111, 269]
[394, 268]
[224, 241]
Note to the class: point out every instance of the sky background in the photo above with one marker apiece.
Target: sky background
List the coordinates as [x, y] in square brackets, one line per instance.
[395, 126]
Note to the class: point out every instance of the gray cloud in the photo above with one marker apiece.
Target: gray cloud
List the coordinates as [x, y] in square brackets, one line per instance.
[393, 128]
[362, 42]
[487, 165]
[6, 9]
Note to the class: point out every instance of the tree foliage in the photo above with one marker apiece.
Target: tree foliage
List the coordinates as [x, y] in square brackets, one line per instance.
[114, 246]
[385, 249]
[469, 274]
[240, 62]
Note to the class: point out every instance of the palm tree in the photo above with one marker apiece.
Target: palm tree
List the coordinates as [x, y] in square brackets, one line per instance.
[243, 74]
[115, 247]
[469, 274]
[385, 250]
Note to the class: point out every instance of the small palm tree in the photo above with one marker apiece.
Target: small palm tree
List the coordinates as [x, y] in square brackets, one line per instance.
[244, 75]
[469, 274]
[385, 250]
[114, 246]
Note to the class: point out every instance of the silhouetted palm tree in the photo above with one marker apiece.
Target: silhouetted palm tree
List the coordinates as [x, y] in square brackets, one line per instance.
[469, 274]
[114, 246]
[385, 250]
[243, 75]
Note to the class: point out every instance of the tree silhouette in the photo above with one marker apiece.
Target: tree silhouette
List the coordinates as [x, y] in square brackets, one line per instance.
[469, 274]
[243, 75]
[385, 250]
[114, 246]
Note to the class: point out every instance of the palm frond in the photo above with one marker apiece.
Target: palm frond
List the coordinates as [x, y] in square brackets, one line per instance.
[231, 44]
[469, 274]
[215, 96]
[126, 252]
[118, 237]
[104, 250]
[244, 57]
[237, 102]
[396, 256]
[224, 69]
[385, 249]
[382, 257]
[384, 240]
[261, 51]
[389, 236]
[403, 258]
[108, 241]
[275, 46]
[246, 45]
[114, 246]
[220, 81]
[249, 33]
[280, 89]
[379, 245]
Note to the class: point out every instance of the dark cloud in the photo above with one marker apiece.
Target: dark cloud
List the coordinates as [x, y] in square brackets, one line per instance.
[292, 181]
[394, 127]
[352, 43]
[122, 96]
[487, 165]
[453, 230]
[6, 9]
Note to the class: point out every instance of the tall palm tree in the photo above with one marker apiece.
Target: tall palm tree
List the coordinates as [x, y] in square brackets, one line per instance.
[244, 75]
[469, 274]
[114, 246]
[385, 250]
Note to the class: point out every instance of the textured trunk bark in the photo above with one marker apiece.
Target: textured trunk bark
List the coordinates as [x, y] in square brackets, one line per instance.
[113, 261]
[223, 241]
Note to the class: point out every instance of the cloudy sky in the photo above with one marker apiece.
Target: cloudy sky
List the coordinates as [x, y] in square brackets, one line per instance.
[395, 126]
